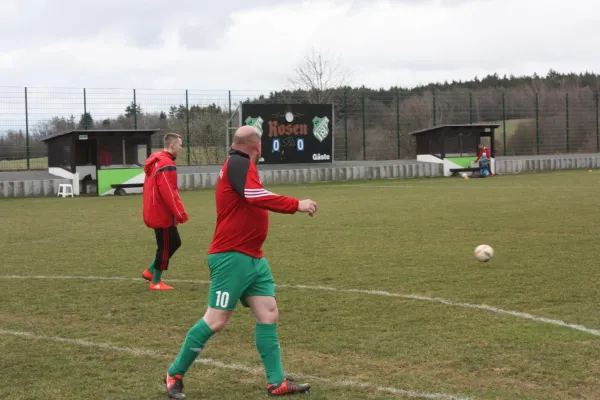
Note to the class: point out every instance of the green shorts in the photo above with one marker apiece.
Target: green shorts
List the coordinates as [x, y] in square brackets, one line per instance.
[235, 276]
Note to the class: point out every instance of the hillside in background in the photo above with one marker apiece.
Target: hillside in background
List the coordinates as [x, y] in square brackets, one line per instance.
[555, 113]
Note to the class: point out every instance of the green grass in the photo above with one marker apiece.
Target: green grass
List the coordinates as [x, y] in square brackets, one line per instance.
[407, 237]
[511, 128]
[34, 163]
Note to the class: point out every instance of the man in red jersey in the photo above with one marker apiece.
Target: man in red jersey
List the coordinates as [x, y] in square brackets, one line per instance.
[238, 268]
[485, 150]
[163, 208]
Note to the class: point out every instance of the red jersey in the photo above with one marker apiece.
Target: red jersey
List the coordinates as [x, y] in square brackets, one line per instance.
[243, 206]
[162, 206]
[483, 151]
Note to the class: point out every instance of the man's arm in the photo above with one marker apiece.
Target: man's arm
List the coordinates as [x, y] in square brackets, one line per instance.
[245, 181]
[166, 180]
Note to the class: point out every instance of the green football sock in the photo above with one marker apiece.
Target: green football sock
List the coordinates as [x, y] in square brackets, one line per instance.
[267, 345]
[157, 275]
[151, 267]
[195, 341]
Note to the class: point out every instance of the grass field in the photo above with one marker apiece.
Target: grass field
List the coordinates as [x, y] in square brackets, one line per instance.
[511, 128]
[359, 283]
[34, 163]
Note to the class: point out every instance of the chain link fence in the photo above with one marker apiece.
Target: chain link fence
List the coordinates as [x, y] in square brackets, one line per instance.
[368, 125]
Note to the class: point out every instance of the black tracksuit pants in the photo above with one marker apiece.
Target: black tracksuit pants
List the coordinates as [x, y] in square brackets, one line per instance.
[167, 241]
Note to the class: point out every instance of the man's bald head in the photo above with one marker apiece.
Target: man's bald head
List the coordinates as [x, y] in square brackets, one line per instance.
[247, 140]
[246, 135]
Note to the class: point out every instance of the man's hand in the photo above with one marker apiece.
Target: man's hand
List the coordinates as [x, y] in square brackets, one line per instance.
[183, 219]
[308, 206]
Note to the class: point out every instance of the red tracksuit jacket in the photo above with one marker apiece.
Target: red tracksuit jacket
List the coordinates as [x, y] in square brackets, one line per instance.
[483, 151]
[162, 206]
[243, 206]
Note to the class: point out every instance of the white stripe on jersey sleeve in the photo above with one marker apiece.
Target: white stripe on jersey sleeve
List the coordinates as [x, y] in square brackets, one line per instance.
[255, 193]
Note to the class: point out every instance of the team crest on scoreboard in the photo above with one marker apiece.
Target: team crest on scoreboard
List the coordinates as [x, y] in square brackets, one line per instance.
[255, 122]
[320, 128]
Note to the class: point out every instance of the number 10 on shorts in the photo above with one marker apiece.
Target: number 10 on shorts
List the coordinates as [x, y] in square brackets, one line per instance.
[222, 299]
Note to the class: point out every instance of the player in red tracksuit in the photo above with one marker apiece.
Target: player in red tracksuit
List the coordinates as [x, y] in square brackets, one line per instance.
[485, 150]
[238, 269]
[163, 208]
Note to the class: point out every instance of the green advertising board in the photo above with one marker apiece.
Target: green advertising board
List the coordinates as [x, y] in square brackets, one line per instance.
[462, 162]
[107, 177]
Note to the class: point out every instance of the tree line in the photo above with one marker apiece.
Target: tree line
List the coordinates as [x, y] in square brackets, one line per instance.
[550, 107]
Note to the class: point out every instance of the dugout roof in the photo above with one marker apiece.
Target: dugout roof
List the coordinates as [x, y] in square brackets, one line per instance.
[454, 140]
[102, 132]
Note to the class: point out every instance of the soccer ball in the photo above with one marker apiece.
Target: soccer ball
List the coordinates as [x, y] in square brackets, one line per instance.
[484, 253]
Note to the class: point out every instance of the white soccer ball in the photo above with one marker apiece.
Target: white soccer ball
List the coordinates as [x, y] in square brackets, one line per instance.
[484, 253]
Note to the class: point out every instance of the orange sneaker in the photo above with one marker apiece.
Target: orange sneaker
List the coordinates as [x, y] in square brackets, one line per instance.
[160, 286]
[147, 275]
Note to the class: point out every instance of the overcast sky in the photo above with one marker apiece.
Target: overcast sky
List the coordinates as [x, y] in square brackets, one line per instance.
[247, 45]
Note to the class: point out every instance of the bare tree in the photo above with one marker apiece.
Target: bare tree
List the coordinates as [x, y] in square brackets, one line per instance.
[318, 76]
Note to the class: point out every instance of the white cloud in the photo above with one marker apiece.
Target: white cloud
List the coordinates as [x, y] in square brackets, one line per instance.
[254, 46]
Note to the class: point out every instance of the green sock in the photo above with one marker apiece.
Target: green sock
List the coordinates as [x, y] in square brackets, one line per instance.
[157, 275]
[267, 345]
[151, 267]
[195, 341]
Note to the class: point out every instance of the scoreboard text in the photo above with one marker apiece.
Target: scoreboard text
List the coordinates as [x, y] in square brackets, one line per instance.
[292, 133]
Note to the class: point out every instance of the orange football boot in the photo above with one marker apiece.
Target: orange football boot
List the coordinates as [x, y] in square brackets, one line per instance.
[147, 275]
[287, 387]
[160, 286]
[174, 386]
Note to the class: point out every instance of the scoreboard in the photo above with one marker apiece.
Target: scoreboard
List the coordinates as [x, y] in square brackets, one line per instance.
[292, 133]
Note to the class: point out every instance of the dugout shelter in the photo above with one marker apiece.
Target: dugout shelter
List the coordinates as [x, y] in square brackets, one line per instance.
[455, 146]
[101, 162]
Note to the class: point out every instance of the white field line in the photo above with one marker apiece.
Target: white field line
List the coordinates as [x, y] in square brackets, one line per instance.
[236, 367]
[497, 310]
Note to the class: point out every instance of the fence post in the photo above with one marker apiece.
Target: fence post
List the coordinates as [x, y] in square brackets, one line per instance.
[364, 124]
[504, 121]
[27, 154]
[567, 121]
[134, 111]
[470, 108]
[85, 118]
[434, 113]
[187, 126]
[398, 120]
[597, 127]
[537, 123]
[228, 138]
[346, 122]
